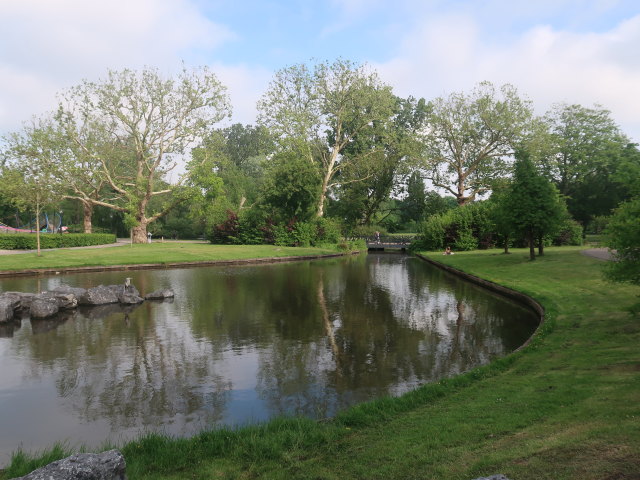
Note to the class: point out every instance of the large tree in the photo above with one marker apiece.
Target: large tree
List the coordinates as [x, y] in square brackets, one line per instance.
[585, 150]
[469, 138]
[318, 111]
[131, 130]
[379, 159]
[532, 205]
[26, 178]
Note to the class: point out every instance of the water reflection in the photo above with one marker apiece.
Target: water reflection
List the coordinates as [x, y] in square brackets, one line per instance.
[242, 344]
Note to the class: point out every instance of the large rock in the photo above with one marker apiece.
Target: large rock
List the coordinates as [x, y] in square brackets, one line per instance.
[99, 295]
[129, 295]
[7, 307]
[108, 465]
[22, 301]
[160, 294]
[65, 301]
[77, 291]
[43, 307]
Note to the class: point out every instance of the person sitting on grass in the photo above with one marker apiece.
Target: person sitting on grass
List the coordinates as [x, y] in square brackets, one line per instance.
[448, 251]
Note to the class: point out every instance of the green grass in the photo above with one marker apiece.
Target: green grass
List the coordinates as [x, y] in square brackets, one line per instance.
[565, 407]
[154, 253]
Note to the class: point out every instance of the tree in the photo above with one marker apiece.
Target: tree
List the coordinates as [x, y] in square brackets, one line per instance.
[623, 230]
[532, 204]
[624, 237]
[379, 159]
[470, 137]
[586, 149]
[318, 112]
[291, 187]
[133, 128]
[26, 176]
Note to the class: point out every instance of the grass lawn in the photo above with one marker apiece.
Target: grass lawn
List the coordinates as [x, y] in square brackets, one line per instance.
[156, 253]
[565, 407]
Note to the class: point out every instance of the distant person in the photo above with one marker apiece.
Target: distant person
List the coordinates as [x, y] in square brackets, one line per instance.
[377, 236]
[148, 237]
[447, 251]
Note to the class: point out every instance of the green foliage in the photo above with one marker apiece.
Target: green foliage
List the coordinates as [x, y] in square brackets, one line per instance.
[624, 237]
[27, 241]
[291, 188]
[470, 137]
[570, 232]
[466, 227]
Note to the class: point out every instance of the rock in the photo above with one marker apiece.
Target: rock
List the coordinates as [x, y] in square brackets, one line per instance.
[23, 300]
[493, 477]
[160, 294]
[7, 307]
[43, 307]
[99, 295]
[108, 465]
[65, 301]
[77, 291]
[129, 295]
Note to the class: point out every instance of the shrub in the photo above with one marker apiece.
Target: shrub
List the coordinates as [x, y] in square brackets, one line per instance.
[28, 241]
[570, 233]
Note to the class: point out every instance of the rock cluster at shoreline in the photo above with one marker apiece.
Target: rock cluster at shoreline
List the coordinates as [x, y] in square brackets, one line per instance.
[50, 303]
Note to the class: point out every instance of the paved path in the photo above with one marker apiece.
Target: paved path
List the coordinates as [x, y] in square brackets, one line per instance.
[119, 243]
[599, 253]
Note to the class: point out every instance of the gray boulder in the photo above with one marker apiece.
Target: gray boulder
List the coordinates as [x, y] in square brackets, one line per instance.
[77, 291]
[108, 465]
[160, 294]
[22, 301]
[99, 295]
[6, 309]
[43, 307]
[129, 295]
[65, 301]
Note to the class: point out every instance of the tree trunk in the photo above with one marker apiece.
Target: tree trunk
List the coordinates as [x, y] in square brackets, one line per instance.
[139, 233]
[323, 196]
[540, 245]
[532, 247]
[87, 214]
[38, 227]
[506, 244]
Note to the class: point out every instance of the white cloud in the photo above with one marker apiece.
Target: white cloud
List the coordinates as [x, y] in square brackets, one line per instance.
[452, 53]
[49, 46]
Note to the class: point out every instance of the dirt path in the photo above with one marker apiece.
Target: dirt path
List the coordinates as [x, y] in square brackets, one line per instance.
[599, 253]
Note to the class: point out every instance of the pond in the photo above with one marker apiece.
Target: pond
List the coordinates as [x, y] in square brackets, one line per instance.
[242, 344]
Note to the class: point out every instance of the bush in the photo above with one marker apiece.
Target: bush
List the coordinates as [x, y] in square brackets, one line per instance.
[570, 233]
[28, 241]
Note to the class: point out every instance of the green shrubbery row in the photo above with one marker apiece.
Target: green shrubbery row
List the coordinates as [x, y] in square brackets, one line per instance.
[472, 227]
[27, 241]
[243, 230]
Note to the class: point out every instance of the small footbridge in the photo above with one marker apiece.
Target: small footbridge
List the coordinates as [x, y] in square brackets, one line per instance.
[390, 242]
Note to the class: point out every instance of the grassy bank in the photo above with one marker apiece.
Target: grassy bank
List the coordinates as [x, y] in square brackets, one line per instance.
[154, 253]
[566, 407]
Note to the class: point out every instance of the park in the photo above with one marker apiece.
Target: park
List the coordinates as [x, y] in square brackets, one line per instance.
[306, 254]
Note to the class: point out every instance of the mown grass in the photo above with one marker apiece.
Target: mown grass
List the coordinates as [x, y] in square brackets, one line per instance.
[154, 253]
[565, 407]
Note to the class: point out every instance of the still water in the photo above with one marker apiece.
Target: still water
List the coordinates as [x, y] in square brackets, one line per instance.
[242, 344]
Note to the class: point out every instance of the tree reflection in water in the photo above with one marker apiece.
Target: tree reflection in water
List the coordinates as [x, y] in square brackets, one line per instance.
[241, 344]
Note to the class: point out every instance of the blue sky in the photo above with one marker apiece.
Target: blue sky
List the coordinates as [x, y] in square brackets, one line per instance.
[571, 51]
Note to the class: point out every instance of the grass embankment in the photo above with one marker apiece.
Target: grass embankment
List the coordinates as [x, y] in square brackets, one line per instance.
[566, 407]
[154, 253]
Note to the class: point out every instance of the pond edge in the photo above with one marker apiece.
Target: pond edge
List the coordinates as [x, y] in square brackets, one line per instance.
[160, 266]
[519, 297]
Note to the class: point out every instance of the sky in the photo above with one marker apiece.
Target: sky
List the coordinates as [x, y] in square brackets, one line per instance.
[553, 51]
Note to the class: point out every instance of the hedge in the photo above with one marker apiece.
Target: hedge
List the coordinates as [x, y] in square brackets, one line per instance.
[27, 241]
